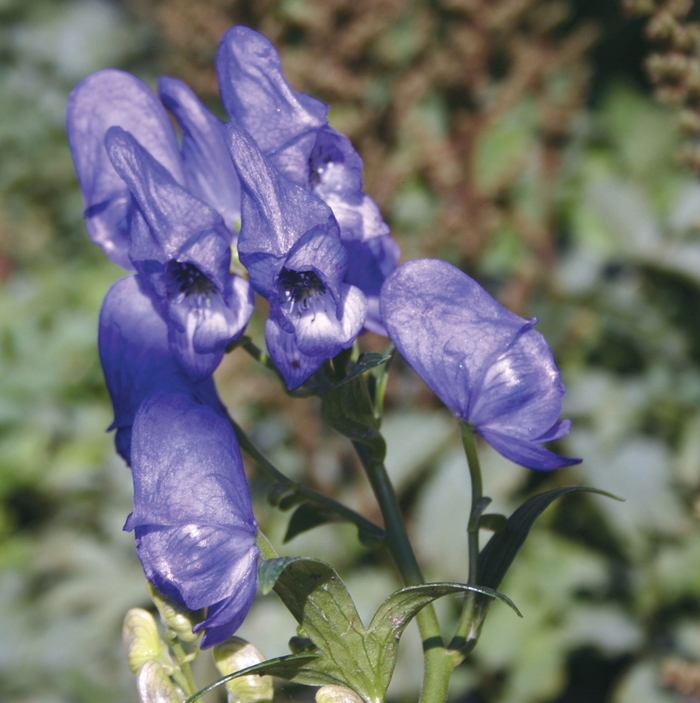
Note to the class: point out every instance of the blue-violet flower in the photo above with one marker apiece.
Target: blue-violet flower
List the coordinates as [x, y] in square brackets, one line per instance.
[292, 130]
[194, 526]
[290, 244]
[489, 366]
[167, 213]
[137, 360]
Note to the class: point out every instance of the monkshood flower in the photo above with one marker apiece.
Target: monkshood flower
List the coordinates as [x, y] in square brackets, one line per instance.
[192, 518]
[137, 360]
[292, 130]
[167, 213]
[489, 366]
[290, 244]
[181, 247]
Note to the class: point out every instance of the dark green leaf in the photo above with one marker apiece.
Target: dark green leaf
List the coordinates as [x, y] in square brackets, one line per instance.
[348, 409]
[348, 406]
[306, 517]
[493, 521]
[317, 598]
[269, 571]
[498, 554]
[307, 668]
[366, 362]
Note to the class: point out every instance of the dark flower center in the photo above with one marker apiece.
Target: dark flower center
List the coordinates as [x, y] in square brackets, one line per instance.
[297, 289]
[182, 280]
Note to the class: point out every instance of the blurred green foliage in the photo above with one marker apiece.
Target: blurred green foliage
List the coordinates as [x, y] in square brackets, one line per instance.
[609, 591]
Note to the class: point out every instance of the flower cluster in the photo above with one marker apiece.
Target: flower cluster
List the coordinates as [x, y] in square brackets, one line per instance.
[284, 191]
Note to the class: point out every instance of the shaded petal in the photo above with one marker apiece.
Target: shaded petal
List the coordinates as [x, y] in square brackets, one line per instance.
[369, 263]
[294, 366]
[320, 250]
[230, 612]
[256, 94]
[334, 165]
[527, 454]
[209, 171]
[555, 432]
[103, 100]
[446, 326]
[136, 357]
[275, 212]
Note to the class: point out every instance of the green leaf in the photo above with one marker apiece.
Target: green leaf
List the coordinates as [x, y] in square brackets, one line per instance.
[493, 521]
[500, 551]
[307, 668]
[399, 609]
[269, 571]
[348, 654]
[349, 409]
[319, 601]
[366, 362]
[306, 517]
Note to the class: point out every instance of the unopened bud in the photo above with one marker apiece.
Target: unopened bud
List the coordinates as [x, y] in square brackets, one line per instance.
[142, 640]
[175, 616]
[236, 654]
[155, 685]
[336, 694]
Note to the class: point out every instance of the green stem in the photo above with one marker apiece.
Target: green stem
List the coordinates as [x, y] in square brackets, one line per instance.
[438, 663]
[470, 620]
[366, 527]
[469, 442]
[380, 391]
[184, 662]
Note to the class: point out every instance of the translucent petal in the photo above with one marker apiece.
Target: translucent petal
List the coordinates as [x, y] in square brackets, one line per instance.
[209, 171]
[485, 363]
[192, 514]
[256, 94]
[105, 99]
[446, 326]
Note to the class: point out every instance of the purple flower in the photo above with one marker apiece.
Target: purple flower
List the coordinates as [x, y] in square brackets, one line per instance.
[291, 129]
[137, 360]
[290, 244]
[489, 366]
[181, 246]
[168, 214]
[112, 98]
[194, 526]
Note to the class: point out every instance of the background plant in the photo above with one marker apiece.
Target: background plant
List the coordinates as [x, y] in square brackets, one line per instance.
[493, 136]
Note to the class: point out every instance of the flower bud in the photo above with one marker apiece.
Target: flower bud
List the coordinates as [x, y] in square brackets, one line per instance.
[236, 654]
[175, 616]
[336, 694]
[155, 685]
[142, 640]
